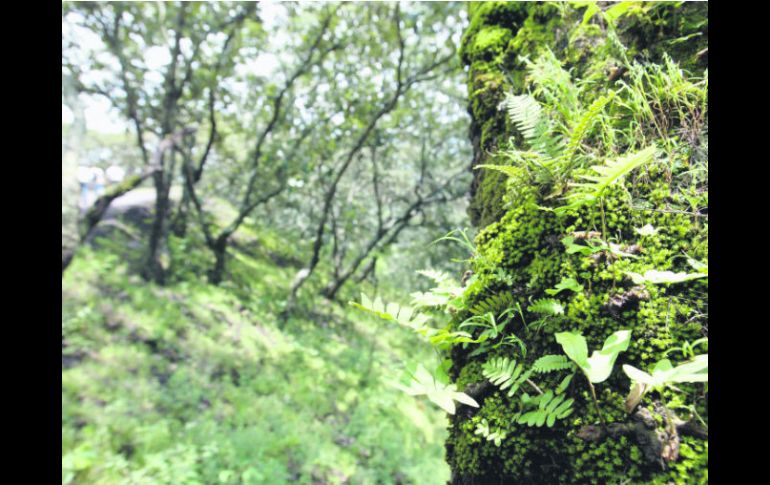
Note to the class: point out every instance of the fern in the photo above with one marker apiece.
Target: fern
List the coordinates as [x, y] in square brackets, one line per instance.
[420, 381]
[495, 304]
[551, 363]
[589, 192]
[565, 284]
[408, 317]
[526, 114]
[550, 407]
[553, 84]
[447, 293]
[497, 436]
[546, 306]
[584, 124]
[505, 373]
[402, 315]
[442, 279]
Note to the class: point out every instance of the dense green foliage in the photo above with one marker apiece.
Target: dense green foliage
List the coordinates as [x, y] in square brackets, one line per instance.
[196, 384]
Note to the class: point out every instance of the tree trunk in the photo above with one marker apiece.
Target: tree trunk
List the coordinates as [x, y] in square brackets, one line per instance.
[216, 275]
[153, 269]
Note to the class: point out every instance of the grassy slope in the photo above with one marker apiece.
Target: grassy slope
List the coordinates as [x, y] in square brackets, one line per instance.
[194, 384]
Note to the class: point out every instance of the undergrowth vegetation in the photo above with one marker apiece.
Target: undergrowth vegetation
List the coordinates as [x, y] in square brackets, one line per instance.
[197, 384]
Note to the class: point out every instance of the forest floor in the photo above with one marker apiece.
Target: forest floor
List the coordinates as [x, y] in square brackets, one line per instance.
[198, 384]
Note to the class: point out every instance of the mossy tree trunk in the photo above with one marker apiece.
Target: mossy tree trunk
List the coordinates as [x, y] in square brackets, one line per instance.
[521, 241]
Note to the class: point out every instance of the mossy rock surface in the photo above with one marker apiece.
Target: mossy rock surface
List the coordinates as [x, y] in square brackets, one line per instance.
[522, 240]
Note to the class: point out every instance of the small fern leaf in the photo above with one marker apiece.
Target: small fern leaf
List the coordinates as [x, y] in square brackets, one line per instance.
[439, 277]
[546, 306]
[584, 124]
[551, 363]
[403, 315]
[504, 169]
[550, 407]
[613, 170]
[495, 304]
[505, 373]
[525, 113]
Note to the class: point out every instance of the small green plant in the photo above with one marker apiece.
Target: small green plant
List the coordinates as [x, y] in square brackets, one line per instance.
[419, 381]
[598, 367]
[565, 284]
[551, 363]
[687, 349]
[493, 328]
[496, 304]
[550, 407]
[547, 406]
[496, 435]
[664, 374]
[545, 307]
[589, 193]
[441, 338]
[447, 293]
[506, 373]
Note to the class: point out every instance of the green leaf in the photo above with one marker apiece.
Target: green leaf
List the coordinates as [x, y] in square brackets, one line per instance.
[421, 382]
[664, 374]
[601, 362]
[575, 346]
[550, 363]
[656, 277]
[598, 367]
[566, 284]
[607, 174]
[546, 306]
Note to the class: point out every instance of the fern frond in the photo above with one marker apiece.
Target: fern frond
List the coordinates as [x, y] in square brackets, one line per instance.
[550, 407]
[495, 304]
[610, 172]
[421, 382]
[504, 169]
[538, 164]
[546, 306]
[584, 124]
[439, 277]
[525, 113]
[553, 83]
[551, 363]
[403, 315]
[505, 373]
[496, 436]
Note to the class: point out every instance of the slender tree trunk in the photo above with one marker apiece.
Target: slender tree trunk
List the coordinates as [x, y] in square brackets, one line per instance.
[153, 270]
[179, 222]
